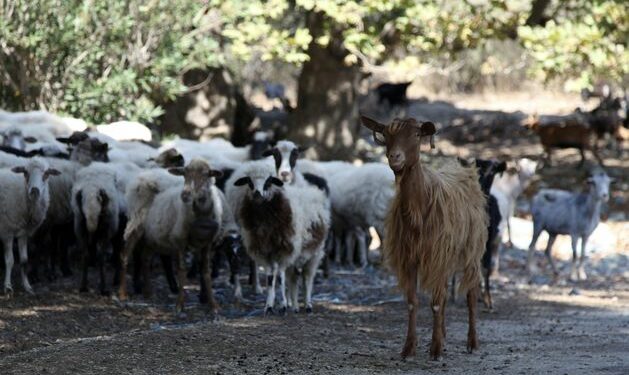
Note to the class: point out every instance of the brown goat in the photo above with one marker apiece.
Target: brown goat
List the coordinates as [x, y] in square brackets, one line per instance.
[436, 226]
[571, 131]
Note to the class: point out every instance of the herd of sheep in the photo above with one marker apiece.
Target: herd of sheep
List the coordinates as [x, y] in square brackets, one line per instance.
[74, 195]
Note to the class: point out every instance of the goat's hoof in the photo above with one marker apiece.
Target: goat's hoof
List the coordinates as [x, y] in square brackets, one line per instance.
[282, 311]
[269, 311]
[409, 350]
[8, 291]
[436, 349]
[472, 344]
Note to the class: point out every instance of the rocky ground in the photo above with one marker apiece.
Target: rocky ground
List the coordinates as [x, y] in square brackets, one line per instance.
[359, 321]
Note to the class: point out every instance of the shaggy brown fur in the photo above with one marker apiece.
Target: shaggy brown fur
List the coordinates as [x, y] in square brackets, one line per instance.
[436, 226]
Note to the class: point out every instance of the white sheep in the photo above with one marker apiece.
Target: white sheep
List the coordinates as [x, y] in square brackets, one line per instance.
[24, 202]
[126, 131]
[284, 228]
[180, 218]
[571, 213]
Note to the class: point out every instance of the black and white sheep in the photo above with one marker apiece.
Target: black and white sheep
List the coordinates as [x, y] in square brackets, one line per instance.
[284, 228]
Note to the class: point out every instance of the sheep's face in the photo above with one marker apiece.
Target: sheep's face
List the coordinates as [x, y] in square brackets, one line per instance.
[285, 154]
[89, 150]
[15, 139]
[600, 183]
[36, 174]
[170, 158]
[198, 180]
[402, 139]
[260, 188]
[526, 168]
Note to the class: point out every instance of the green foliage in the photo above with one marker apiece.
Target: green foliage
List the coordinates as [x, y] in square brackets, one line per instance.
[585, 42]
[101, 60]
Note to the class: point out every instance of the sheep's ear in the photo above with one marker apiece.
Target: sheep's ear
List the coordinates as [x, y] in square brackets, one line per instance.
[268, 152]
[178, 171]
[215, 173]
[19, 169]
[372, 125]
[244, 181]
[302, 149]
[65, 140]
[276, 181]
[30, 139]
[52, 172]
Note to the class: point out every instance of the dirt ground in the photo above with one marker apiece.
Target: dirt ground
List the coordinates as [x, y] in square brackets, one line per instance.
[359, 321]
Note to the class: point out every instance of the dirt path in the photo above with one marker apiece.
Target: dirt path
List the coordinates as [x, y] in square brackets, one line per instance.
[357, 328]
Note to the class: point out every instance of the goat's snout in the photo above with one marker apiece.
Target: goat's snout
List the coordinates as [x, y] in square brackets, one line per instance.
[605, 197]
[34, 192]
[285, 175]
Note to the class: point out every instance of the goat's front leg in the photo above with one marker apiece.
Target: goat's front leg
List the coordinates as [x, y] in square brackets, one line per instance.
[582, 274]
[270, 297]
[573, 268]
[437, 306]
[283, 301]
[22, 243]
[410, 346]
[8, 264]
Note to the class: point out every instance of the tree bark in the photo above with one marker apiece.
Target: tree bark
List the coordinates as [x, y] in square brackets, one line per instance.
[327, 109]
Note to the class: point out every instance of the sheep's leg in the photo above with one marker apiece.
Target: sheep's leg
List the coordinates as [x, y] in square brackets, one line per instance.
[487, 295]
[284, 303]
[145, 260]
[86, 260]
[270, 298]
[101, 253]
[167, 264]
[350, 245]
[582, 274]
[310, 270]
[362, 247]
[207, 280]
[472, 339]
[8, 264]
[437, 305]
[338, 249]
[410, 346]
[529, 260]
[573, 268]
[127, 248]
[510, 242]
[549, 247]
[22, 244]
[253, 274]
[181, 274]
[293, 288]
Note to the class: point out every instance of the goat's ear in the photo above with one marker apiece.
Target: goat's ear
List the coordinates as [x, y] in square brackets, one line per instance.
[52, 172]
[178, 171]
[276, 181]
[244, 181]
[216, 173]
[30, 139]
[372, 125]
[19, 169]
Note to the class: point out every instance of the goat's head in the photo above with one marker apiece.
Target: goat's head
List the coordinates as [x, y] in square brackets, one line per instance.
[36, 173]
[198, 179]
[169, 158]
[599, 184]
[285, 154]
[402, 139]
[16, 139]
[487, 170]
[262, 185]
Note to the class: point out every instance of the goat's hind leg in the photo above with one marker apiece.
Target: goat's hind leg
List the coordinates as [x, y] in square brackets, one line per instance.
[549, 247]
[437, 306]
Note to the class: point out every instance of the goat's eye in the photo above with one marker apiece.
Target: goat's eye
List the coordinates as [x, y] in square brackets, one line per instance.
[379, 138]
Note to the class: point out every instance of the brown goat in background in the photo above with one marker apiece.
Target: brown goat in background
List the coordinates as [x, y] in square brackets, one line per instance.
[436, 226]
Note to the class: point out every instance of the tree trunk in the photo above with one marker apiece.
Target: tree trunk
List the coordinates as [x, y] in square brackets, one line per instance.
[327, 108]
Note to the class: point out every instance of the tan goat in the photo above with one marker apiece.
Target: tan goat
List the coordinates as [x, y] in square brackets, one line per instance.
[436, 226]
